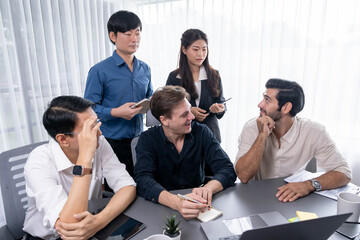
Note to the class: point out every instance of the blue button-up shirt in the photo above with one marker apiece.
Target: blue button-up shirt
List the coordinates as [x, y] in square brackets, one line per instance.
[160, 167]
[110, 84]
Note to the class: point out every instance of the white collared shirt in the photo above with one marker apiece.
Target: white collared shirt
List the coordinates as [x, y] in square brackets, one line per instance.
[202, 77]
[304, 140]
[48, 175]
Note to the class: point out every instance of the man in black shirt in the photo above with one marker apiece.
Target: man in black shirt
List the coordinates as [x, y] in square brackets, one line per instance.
[173, 156]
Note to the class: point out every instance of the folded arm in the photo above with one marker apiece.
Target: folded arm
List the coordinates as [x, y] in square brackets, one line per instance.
[89, 224]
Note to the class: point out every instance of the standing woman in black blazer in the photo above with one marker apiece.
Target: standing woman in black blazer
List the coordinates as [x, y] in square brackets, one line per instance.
[200, 80]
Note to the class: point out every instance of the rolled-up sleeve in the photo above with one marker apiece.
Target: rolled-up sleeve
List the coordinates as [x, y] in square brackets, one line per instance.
[246, 138]
[328, 157]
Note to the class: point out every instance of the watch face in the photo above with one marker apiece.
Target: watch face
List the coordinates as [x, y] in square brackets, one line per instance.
[316, 184]
[77, 170]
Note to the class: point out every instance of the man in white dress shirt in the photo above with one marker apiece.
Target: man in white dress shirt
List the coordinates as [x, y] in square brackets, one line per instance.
[278, 144]
[64, 174]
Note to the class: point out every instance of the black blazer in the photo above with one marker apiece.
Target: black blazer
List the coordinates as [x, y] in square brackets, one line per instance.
[206, 100]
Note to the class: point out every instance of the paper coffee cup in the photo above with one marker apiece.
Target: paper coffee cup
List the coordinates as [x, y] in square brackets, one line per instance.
[158, 237]
[349, 202]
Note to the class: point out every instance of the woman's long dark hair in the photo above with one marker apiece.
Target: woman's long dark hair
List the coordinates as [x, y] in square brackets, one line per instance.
[187, 81]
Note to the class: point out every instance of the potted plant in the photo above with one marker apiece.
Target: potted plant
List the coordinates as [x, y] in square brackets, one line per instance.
[171, 228]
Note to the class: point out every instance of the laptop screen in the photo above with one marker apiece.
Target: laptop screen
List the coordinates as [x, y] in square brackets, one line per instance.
[239, 225]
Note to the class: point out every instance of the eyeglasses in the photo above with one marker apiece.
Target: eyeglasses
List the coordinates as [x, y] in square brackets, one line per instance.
[70, 133]
[74, 133]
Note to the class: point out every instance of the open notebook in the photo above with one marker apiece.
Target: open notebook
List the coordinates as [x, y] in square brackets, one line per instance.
[209, 215]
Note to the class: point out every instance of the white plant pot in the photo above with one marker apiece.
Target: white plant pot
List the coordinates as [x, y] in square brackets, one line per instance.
[178, 237]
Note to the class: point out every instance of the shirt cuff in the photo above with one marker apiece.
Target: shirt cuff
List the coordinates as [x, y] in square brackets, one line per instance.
[226, 181]
[154, 193]
[106, 113]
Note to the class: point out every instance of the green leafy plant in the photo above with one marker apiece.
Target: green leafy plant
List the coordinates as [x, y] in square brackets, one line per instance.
[172, 227]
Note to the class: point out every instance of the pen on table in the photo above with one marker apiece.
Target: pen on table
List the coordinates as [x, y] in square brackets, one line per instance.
[191, 200]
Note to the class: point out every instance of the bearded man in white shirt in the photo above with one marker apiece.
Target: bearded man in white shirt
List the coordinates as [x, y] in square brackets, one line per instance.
[278, 144]
[64, 174]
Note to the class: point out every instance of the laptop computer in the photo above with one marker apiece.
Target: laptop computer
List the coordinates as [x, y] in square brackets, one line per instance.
[262, 226]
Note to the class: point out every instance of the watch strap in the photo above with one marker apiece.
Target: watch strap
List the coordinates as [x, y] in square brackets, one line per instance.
[87, 171]
[79, 170]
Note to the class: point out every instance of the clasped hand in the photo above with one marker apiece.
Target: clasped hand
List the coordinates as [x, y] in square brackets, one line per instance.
[199, 113]
[86, 228]
[265, 125]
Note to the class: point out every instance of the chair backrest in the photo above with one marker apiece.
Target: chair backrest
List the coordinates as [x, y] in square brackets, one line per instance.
[151, 120]
[311, 166]
[13, 187]
[133, 146]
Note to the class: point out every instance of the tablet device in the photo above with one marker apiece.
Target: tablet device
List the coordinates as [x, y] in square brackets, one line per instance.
[123, 227]
[350, 230]
[145, 104]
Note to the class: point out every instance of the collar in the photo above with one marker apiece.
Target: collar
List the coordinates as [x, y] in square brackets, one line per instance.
[61, 161]
[120, 61]
[291, 134]
[188, 136]
[202, 74]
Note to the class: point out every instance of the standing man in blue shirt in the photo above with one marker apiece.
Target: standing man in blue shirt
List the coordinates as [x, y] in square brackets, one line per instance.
[117, 83]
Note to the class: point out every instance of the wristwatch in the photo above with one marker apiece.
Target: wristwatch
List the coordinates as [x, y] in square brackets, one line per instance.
[316, 184]
[79, 170]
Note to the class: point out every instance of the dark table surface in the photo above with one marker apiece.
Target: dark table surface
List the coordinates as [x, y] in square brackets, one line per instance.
[237, 201]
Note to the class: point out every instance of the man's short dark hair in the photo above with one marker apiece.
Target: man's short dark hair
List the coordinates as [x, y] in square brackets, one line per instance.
[165, 99]
[123, 21]
[289, 91]
[61, 114]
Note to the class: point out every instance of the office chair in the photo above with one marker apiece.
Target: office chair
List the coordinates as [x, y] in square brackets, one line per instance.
[150, 122]
[13, 190]
[133, 146]
[311, 166]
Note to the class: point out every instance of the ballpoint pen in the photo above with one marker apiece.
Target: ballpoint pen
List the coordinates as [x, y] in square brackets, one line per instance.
[191, 200]
[225, 100]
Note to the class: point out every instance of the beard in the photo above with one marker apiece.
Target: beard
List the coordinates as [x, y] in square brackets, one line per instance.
[275, 115]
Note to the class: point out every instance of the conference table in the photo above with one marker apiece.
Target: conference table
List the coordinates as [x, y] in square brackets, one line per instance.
[240, 200]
